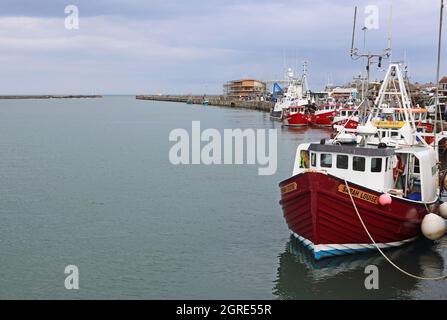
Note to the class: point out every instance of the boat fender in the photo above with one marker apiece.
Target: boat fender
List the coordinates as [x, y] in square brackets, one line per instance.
[443, 210]
[433, 227]
[385, 199]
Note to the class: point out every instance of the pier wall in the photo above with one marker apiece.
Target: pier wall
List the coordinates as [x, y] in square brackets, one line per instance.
[51, 97]
[212, 101]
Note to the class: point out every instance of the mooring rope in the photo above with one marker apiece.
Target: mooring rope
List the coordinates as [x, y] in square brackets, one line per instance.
[380, 250]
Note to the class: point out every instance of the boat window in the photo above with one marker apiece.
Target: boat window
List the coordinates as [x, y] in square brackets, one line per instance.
[417, 168]
[313, 159]
[304, 159]
[326, 160]
[376, 164]
[358, 163]
[342, 162]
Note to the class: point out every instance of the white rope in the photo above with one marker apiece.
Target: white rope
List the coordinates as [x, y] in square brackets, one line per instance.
[380, 250]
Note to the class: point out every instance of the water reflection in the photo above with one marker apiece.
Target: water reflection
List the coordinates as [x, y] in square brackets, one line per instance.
[300, 276]
[318, 130]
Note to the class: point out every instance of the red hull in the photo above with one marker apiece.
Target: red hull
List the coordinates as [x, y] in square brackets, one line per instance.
[351, 124]
[324, 119]
[318, 211]
[297, 120]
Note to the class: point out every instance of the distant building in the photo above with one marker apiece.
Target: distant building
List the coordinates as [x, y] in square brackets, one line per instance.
[342, 93]
[443, 88]
[246, 89]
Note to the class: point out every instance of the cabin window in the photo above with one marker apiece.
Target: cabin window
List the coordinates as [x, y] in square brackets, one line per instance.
[358, 163]
[417, 168]
[304, 162]
[313, 159]
[326, 160]
[342, 162]
[376, 164]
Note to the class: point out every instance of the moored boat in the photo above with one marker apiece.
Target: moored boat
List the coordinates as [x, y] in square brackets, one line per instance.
[318, 209]
[325, 114]
[374, 192]
[293, 93]
[347, 118]
[297, 116]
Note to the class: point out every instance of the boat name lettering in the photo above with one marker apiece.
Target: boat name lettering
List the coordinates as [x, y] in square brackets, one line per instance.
[356, 193]
[289, 188]
[389, 124]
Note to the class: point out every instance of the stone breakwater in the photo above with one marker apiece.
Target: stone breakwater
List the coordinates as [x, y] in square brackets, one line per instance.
[50, 97]
[212, 101]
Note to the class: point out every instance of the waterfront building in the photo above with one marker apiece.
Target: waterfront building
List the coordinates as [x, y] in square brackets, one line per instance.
[245, 89]
[443, 88]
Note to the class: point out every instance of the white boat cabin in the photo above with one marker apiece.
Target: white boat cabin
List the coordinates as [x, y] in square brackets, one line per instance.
[383, 169]
[346, 113]
[298, 109]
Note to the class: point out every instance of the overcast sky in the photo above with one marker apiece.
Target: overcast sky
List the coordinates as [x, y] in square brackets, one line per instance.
[194, 46]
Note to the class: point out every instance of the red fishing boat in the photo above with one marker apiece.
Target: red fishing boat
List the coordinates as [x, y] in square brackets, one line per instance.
[325, 113]
[297, 116]
[347, 118]
[381, 184]
[318, 208]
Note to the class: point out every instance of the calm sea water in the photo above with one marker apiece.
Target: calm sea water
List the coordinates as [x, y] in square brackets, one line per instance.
[89, 183]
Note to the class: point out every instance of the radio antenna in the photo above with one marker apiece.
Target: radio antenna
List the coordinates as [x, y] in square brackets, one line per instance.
[390, 28]
[353, 32]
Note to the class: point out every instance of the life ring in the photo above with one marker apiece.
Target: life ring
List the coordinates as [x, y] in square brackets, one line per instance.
[398, 167]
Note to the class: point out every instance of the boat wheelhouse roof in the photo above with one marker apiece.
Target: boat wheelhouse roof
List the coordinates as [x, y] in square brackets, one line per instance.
[352, 149]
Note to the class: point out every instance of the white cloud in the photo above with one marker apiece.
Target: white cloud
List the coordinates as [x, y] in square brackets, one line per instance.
[185, 50]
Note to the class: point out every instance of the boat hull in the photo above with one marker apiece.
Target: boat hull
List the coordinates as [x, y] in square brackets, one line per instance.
[319, 212]
[276, 115]
[296, 120]
[323, 119]
[348, 124]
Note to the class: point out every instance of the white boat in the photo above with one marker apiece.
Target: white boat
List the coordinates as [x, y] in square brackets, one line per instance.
[292, 94]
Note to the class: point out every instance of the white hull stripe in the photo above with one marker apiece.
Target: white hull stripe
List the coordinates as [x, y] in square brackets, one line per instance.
[329, 250]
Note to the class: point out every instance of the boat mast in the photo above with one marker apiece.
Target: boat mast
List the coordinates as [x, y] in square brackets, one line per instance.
[438, 67]
[394, 74]
[304, 77]
[370, 57]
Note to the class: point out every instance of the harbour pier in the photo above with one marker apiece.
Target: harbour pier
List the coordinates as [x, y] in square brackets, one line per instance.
[214, 100]
[7, 97]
